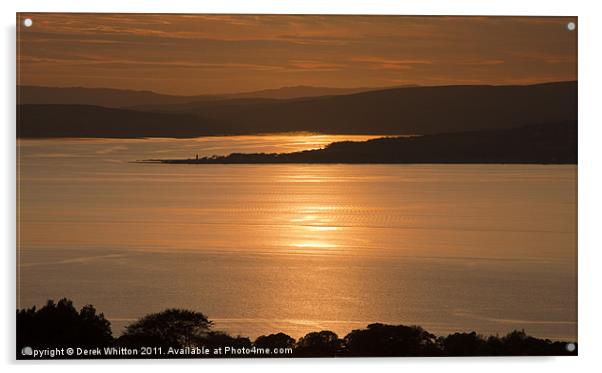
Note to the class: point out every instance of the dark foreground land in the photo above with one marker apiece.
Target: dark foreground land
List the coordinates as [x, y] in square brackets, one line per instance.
[548, 143]
[59, 331]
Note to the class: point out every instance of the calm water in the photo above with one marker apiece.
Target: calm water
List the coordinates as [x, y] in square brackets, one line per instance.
[297, 248]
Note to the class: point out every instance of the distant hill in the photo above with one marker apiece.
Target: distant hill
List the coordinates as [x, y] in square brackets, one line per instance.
[107, 97]
[123, 98]
[41, 121]
[211, 107]
[549, 143]
[303, 91]
[409, 110]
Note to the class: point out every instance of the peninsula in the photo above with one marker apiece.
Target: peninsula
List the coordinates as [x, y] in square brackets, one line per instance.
[547, 143]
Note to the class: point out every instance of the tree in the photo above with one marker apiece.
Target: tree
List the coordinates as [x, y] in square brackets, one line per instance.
[318, 344]
[171, 328]
[518, 343]
[464, 344]
[279, 340]
[59, 325]
[391, 340]
[215, 339]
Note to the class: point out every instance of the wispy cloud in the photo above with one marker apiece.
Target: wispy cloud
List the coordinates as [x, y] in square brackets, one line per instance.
[315, 65]
[377, 62]
[211, 53]
[482, 62]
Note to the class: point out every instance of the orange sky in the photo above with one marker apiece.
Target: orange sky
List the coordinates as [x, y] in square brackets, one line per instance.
[205, 54]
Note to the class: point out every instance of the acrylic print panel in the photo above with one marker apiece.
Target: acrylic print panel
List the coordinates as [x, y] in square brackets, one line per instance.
[220, 186]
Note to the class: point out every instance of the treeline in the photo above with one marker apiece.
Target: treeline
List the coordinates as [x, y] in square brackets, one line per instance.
[61, 325]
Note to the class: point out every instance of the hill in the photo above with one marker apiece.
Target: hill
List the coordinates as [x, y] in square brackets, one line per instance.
[107, 97]
[398, 111]
[124, 98]
[550, 143]
[299, 91]
[42, 121]
[408, 110]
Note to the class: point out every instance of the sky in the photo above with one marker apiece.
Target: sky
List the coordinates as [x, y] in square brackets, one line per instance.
[185, 54]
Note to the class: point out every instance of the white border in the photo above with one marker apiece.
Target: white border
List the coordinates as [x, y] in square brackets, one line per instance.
[590, 243]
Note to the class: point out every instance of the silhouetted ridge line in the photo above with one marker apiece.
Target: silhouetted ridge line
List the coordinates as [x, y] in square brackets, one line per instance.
[549, 143]
[403, 111]
[121, 98]
[393, 111]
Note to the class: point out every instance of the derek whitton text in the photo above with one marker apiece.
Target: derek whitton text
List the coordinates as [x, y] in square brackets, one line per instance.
[149, 352]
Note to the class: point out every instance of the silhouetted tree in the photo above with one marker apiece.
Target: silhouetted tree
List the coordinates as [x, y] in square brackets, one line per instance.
[171, 328]
[279, 340]
[518, 343]
[318, 344]
[389, 340]
[464, 344]
[215, 339]
[60, 325]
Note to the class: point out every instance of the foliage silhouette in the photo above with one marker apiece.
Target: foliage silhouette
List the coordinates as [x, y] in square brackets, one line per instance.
[61, 325]
[274, 341]
[171, 328]
[464, 344]
[215, 339]
[518, 343]
[319, 344]
[390, 340]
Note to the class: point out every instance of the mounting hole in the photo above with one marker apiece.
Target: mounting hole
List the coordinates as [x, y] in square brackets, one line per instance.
[570, 347]
[571, 26]
[27, 22]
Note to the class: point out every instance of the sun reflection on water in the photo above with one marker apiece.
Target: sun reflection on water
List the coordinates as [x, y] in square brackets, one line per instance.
[315, 244]
[313, 229]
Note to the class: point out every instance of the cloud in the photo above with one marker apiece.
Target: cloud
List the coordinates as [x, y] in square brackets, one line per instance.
[375, 62]
[215, 53]
[315, 65]
[482, 62]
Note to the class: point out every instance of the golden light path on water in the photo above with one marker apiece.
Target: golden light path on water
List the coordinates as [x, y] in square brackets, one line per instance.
[315, 228]
[296, 248]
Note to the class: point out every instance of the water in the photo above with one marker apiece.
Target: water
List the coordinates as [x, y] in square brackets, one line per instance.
[297, 248]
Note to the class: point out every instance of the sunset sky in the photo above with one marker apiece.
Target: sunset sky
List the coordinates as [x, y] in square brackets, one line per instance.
[207, 54]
